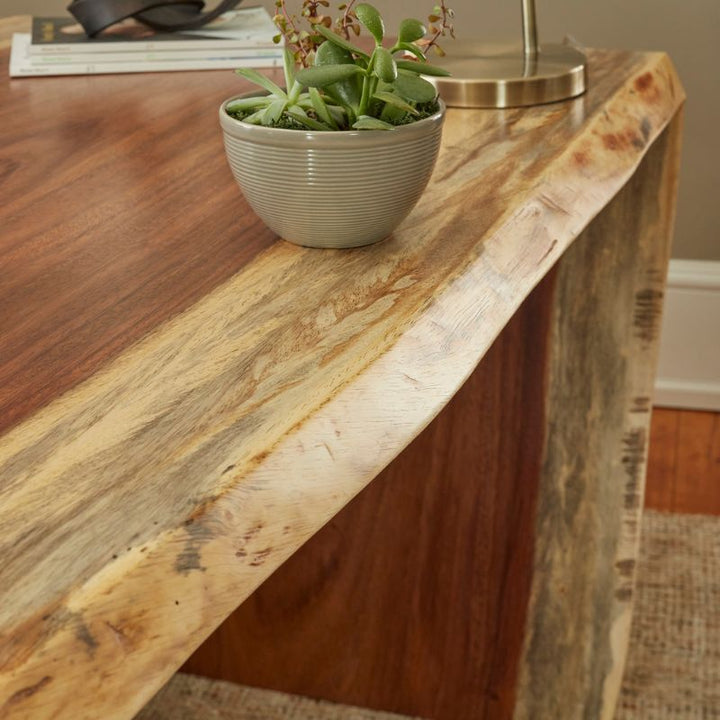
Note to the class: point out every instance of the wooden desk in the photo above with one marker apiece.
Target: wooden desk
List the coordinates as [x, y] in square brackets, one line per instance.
[185, 401]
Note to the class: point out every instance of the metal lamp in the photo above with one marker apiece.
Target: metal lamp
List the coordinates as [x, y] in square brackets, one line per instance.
[515, 78]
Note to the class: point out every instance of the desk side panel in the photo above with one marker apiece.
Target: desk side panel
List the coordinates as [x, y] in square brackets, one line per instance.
[606, 326]
[413, 598]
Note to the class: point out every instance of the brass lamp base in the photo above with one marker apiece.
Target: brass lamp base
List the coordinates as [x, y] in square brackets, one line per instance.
[511, 78]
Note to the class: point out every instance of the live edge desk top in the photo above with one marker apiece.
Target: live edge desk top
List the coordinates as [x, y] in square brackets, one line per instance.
[184, 400]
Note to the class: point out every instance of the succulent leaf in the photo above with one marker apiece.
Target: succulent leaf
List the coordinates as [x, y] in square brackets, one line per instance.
[274, 111]
[385, 67]
[249, 103]
[255, 118]
[297, 113]
[347, 92]
[412, 49]
[330, 54]
[341, 42]
[414, 88]
[365, 122]
[255, 77]
[321, 108]
[289, 67]
[421, 68]
[395, 101]
[372, 20]
[323, 75]
[411, 30]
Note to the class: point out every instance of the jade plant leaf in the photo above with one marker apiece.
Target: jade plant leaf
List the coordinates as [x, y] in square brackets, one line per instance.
[421, 68]
[412, 49]
[395, 101]
[372, 20]
[323, 75]
[410, 30]
[385, 67]
[330, 54]
[341, 42]
[348, 91]
[411, 87]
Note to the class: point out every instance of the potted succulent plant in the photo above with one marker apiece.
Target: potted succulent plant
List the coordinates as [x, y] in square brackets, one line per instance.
[341, 154]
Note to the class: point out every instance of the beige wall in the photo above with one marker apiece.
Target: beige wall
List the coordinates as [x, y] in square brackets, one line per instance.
[688, 31]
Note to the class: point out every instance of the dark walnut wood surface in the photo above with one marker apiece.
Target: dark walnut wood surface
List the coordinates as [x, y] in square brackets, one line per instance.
[185, 401]
[118, 211]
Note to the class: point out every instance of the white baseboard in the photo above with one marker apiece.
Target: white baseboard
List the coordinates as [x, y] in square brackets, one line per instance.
[689, 367]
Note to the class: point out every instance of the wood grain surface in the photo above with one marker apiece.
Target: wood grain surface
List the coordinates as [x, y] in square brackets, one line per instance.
[684, 466]
[606, 327]
[185, 402]
[118, 211]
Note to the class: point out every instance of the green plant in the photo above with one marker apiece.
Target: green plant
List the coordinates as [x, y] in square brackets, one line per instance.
[331, 84]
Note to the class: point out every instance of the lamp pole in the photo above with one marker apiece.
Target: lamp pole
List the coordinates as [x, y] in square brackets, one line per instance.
[532, 75]
[529, 29]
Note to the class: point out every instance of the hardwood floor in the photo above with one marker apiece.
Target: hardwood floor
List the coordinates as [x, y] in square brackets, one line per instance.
[684, 464]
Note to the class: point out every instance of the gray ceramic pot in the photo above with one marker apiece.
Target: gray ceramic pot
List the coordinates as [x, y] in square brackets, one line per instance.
[332, 189]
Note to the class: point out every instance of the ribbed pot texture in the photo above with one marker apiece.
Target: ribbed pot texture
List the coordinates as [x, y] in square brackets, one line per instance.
[332, 189]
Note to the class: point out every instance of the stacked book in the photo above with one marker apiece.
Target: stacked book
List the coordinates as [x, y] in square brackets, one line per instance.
[59, 46]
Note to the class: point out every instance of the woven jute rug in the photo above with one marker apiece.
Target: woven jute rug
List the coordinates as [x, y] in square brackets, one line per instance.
[187, 697]
[673, 667]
